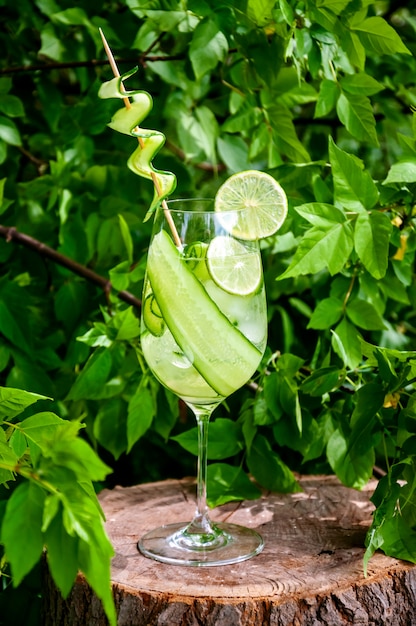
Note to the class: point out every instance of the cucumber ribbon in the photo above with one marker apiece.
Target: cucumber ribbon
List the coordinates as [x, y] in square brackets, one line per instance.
[220, 352]
[127, 121]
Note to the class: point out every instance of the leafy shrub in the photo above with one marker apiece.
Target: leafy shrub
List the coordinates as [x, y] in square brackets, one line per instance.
[321, 95]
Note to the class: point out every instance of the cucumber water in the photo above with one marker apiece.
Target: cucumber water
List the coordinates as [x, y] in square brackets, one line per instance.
[209, 341]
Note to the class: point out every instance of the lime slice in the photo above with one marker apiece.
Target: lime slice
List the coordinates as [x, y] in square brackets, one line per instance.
[264, 198]
[232, 267]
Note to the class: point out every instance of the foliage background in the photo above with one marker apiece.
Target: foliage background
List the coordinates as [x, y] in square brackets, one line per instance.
[321, 95]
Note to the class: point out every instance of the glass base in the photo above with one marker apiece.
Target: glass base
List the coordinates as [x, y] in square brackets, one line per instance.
[226, 544]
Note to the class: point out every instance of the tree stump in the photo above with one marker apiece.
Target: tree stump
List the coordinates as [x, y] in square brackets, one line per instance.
[309, 573]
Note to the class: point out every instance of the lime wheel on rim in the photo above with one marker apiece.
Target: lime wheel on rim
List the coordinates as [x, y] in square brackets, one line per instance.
[263, 198]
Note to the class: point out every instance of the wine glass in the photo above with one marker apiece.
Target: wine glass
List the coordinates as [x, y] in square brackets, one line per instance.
[203, 334]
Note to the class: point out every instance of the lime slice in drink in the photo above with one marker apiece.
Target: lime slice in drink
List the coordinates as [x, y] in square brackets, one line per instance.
[232, 267]
[264, 198]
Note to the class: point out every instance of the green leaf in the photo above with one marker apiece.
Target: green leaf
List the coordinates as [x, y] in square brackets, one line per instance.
[12, 329]
[110, 426]
[249, 429]
[209, 132]
[226, 483]
[385, 368]
[284, 134]
[233, 152]
[90, 382]
[78, 456]
[125, 233]
[127, 324]
[260, 138]
[327, 98]
[322, 248]
[62, 552]
[379, 37]
[271, 395]
[364, 315]
[43, 428]
[224, 439]
[336, 6]
[371, 239]
[167, 413]
[83, 518]
[120, 275]
[3, 201]
[354, 188]
[71, 17]
[370, 290]
[354, 49]
[401, 172]
[327, 313]
[394, 520]
[352, 467]
[323, 380]
[268, 468]
[356, 113]
[310, 442]
[262, 416]
[18, 443]
[208, 47]
[394, 288]
[15, 401]
[287, 11]
[70, 300]
[398, 538]
[11, 105]
[260, 11]
[369, 400]
[5, 354]
[360, 84]
[8, 458]
[141, 411]
[288, 365]
[9, 132]
[195, 140]
[346, 342]
[289, 400]
[23, 518]
[325, 21]
[245, 119]
[321, 214]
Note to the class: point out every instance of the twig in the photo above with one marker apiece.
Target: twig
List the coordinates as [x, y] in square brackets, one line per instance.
[142, 60]
[127, 104]
[10, 233]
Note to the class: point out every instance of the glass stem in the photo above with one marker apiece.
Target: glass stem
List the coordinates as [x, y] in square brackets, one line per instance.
[201, 522]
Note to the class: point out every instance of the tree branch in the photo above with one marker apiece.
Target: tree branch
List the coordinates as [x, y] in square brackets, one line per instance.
[10, 233]
[140, 60]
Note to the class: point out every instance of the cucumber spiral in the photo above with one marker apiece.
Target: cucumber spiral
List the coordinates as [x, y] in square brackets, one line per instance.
[127, 121]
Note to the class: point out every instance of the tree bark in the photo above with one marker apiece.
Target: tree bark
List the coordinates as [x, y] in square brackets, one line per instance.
[310, 572]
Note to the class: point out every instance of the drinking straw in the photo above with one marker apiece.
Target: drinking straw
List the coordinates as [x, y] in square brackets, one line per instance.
[127, 104]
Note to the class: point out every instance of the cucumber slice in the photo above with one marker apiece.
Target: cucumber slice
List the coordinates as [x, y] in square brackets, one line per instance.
[216, 348]
[152, 317]
[195, 255]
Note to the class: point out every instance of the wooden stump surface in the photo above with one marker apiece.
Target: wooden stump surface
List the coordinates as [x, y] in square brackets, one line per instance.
[309, 573]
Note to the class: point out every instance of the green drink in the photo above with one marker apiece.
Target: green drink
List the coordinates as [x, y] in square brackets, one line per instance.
[224, 334]
[203, 334]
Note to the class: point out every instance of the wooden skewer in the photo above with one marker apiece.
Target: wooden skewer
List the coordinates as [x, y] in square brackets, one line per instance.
[127, 104]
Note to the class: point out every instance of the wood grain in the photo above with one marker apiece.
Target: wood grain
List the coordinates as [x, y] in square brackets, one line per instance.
[309, 573]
